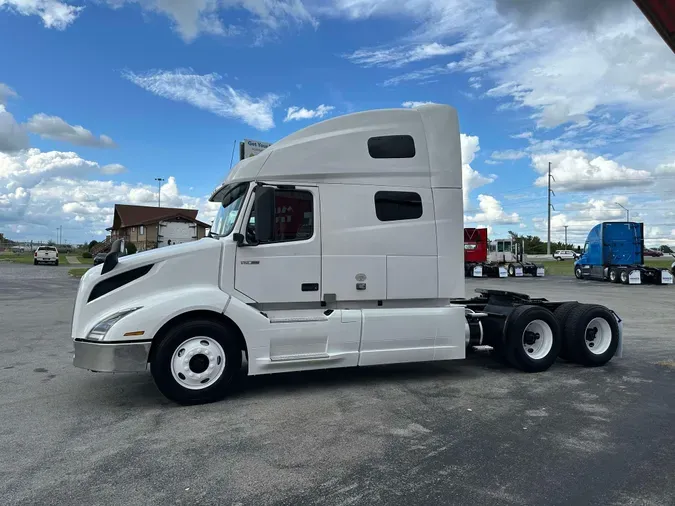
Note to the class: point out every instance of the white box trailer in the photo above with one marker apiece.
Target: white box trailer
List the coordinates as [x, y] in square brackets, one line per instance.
[338, 246]
[172, 232]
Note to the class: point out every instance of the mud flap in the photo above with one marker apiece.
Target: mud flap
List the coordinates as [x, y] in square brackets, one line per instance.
[619, 348]
[519, 272]
[666, 277]
[634, 277]
[478, 271]
[541, 272]
[503, 273]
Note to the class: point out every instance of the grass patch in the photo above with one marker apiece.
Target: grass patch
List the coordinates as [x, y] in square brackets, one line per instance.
[566, 267]
[27, 258]
[667, 363]
[78, 272]
[21, 258]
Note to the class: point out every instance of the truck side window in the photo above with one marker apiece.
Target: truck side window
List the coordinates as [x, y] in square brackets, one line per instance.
[391, 146]
[293, 216]
[397, 205]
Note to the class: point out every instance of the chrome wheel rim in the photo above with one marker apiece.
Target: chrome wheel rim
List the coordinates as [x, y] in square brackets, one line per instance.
[198, 363]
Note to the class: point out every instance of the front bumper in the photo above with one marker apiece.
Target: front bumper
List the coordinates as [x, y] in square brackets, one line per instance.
[111, 357]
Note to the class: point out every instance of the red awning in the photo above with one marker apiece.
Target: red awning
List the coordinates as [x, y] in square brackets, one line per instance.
[661, 14]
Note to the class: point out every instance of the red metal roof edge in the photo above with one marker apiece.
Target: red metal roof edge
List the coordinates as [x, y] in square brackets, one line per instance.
[656, 12]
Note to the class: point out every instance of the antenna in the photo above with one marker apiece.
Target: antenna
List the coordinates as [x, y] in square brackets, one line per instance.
[234, 144]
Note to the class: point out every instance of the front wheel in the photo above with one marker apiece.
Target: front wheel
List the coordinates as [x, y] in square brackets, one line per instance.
[577, 272]
[532, 340]
[195, 362]
[511, 270]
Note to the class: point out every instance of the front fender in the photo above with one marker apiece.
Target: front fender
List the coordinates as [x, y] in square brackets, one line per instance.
[161, 308]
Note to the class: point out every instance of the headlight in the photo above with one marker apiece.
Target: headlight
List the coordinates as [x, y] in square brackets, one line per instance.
[100, 330]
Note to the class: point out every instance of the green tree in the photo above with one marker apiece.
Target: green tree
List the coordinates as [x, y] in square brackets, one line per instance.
[92, 244]
[666, 249]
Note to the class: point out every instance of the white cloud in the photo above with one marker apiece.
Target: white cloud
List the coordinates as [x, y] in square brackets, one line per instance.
[399, 56]
[54, 13]
[183, 85]
[40, 191]
[299, 113]
[113, 168]
[30, 167]
[54, 128]
[575, 170]
[475, 82]
[12, 135]
[191, 18]
[413, 104]
[491, 211]
[471, 179]
[523, 135]
[509, 154]
[665, 168]
[6, 93]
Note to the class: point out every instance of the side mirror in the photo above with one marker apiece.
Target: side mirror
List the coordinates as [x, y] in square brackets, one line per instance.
[111, 258]
[264, 214]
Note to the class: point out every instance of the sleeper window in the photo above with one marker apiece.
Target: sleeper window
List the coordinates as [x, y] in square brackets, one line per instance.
[391, 146]
[397, 205]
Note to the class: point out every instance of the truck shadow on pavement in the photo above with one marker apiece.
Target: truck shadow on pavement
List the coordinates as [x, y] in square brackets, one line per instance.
[139, 391]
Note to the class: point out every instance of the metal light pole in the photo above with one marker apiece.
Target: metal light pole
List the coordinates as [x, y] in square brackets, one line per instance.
[550, 206]
[566, 235]
[625, 209]
[159, 190]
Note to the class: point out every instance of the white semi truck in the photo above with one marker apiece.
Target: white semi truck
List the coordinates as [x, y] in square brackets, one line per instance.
[338, 246]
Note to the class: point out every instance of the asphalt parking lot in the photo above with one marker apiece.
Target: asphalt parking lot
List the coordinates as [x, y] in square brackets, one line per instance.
[466, 432]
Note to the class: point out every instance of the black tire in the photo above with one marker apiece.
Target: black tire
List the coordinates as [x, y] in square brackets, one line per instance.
[160, 362]
[562, 314]
[514, 349]
[56, 263]
[623, 276]
[578, 273]
[575, 334]
[35, 262]
[613, 275]
[511, 270]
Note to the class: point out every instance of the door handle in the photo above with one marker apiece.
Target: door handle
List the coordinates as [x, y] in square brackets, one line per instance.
[310, 287]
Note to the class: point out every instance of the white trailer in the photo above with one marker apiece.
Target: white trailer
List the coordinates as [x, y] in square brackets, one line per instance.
[338, 246]
[171, 232]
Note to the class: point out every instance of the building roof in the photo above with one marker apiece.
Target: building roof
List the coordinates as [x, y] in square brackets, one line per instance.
[132, 216]
[661, 14]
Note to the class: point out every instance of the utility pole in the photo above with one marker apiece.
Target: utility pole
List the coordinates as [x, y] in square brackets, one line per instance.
[566, 235]
[548, 242]
[625, 209]
[159, 191]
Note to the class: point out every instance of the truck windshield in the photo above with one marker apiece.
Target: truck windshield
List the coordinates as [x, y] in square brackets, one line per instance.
[229, 210]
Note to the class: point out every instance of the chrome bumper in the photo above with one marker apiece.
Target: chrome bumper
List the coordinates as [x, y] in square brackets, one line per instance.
[111, 357]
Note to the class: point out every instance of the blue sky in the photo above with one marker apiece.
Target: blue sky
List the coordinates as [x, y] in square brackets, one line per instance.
[98, 98]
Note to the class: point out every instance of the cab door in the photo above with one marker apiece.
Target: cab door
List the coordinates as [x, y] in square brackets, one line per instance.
[287, 267]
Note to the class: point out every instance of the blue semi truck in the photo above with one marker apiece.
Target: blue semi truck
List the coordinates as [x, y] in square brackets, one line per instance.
[614, 251]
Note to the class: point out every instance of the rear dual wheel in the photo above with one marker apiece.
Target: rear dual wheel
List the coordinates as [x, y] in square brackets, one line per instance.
[587, 334]
[591, 335]
[532, 339]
